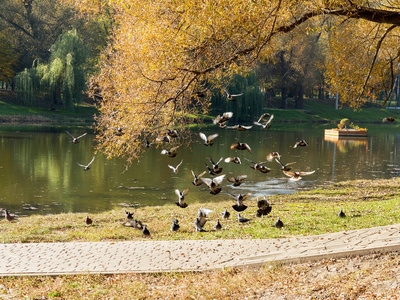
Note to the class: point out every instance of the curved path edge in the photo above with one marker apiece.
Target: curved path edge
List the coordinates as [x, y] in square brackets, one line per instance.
[150, 256]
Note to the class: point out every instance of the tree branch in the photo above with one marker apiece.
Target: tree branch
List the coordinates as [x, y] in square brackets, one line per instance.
[17, 26]
[378, 46]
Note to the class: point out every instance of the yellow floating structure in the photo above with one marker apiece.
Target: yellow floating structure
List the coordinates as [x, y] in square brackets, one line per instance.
[339, 133]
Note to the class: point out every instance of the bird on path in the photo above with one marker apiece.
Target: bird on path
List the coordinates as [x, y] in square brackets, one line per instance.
[213, 183]
[240, 127]
[88, 221]
[341, 214]
[225, 214]
[175, 226]
[234, 159]
[75, 139]
[181, 196]
[175, 169]
[171, 152]
[208, 139]
[145, 232]
[86, 167]
[196, 178]
[295, 176]
[237, 180]
[285, 167]
[8, 217]
[218, 226]
[239, 206]
[301, 143]
[242, 219]
[278, 223]
[240, 146]
[231, 97]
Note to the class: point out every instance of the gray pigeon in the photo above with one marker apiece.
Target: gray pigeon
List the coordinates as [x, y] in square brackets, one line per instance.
[88, 221]
[278, 223]
[129, 215]
[243, 219]
[225, 214]
[218, 226]
[239, 206]
[175, 226]
[145, 231]
[8, 217]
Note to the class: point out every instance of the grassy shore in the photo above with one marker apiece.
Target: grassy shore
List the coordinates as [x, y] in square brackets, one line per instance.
[12, 113]
[314, 113]
[366, 203]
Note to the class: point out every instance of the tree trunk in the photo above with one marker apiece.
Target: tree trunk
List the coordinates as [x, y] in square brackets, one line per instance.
[299, 98]
[284, 98]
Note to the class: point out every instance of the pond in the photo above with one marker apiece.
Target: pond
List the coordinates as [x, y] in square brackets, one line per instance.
[39, 174]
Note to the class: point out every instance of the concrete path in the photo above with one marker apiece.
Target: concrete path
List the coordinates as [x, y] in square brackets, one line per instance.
[164, 256]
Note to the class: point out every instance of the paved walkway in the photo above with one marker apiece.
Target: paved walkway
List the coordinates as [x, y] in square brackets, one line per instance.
[164, 256]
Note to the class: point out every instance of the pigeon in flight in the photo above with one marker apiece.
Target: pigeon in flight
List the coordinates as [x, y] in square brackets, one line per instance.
[208, 139]
[181, 197]
[86, 167]
[213, 184]
[231, 97]
[175, 169]
[75, 139]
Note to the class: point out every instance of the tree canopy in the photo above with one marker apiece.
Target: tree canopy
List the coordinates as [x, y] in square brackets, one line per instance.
[164, 54]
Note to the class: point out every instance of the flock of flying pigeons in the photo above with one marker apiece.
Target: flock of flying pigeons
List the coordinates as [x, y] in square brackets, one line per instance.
[213, 183]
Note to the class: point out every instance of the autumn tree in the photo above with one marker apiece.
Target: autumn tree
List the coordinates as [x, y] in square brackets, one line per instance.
[163, 52]
[8, 60]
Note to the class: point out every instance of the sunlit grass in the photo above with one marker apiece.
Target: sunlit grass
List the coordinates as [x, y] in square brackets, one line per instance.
[366, 204]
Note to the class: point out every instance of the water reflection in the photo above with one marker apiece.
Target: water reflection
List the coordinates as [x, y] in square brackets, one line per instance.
[38, 169]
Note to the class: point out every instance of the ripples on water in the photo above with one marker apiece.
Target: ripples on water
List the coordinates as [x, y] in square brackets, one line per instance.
[39, 174]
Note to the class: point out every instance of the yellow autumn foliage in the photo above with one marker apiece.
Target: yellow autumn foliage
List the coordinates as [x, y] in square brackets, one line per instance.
[163, 52]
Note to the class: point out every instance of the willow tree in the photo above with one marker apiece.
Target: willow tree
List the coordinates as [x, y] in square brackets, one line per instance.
[162, 52]
[62, 80]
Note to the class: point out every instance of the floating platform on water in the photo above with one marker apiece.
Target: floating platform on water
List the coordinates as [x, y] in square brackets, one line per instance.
[339, 133]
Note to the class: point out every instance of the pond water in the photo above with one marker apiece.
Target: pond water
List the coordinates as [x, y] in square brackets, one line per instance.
[39, 174]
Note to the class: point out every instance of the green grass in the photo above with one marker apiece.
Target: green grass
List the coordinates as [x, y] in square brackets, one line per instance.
[15, 113]
[324, 111]
[315, 113]
[366, 204]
